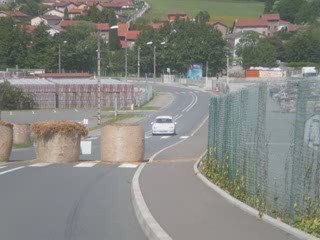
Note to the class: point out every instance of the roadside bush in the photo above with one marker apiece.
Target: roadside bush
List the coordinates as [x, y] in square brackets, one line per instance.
[13, 98]
[47, 129]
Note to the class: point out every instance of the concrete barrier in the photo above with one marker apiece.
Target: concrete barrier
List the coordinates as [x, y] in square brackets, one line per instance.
[122, 143]
[6, 141]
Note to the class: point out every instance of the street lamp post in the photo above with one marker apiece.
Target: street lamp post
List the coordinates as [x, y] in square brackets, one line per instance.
[60, 56]
[99, 73]
[126, 59]
[227, 69]
[154, 57]
[99, 78]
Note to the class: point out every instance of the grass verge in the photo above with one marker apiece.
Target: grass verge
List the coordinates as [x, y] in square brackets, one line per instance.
[223, 10]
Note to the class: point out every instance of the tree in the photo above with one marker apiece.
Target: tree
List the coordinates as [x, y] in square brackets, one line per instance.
[41, 50]
[248, 39]
[186, 43]
[304, 47]
[277, 42]
[288, 9]
[260, 55]
[66, 13]
[269, 6]
[202, 17]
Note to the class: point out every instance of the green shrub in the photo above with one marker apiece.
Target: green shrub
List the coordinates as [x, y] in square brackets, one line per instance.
[14, 98]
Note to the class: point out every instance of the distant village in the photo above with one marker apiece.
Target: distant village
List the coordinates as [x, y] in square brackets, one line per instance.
[57, 21]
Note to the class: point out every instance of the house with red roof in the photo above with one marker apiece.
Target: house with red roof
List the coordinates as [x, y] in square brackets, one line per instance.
[103, 29]
[257, 25]
[15, 14]
[177, 14]
[75, 12]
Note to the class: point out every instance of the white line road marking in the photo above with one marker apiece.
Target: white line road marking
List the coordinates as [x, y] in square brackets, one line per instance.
[192, 102]
[10, 113]
[40, 165]
[178, 117]
[147, 137]
[11, 170]
[182, 140]
[184, 137]
[32, 112]
[165, 137]
[177, 92]
[54, 111]
[86, 164]
[128, 165]
[182, 92]
[76, 110]
[2, 167]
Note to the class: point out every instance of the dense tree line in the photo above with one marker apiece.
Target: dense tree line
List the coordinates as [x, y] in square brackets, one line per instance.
[299, 49]
[40, 50]
[295, 11]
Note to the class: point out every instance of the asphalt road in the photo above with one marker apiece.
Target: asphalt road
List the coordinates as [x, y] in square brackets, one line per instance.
[86, 200]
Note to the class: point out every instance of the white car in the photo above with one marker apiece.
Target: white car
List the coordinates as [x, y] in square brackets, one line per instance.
[163, 125]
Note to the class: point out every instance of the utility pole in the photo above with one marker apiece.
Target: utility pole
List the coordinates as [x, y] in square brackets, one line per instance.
[59, 58]
[99, 79]
[138, 62]
[154, 62]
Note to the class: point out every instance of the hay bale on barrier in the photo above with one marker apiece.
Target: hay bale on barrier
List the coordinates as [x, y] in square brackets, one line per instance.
[122, 143]
[6, 140]
[21, 133]
[58, 141]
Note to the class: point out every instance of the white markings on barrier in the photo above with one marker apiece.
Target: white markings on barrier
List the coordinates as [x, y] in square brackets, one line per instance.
[165, 137]
[32, 112]
[40, 165]
[128, 165]
[11, 170]
[184, 137]
[86, 164]
[86, 147]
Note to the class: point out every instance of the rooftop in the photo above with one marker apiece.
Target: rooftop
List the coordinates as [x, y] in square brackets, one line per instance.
[270, 17]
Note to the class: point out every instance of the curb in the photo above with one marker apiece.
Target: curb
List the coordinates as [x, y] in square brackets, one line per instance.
[266, 218]
[149, 225]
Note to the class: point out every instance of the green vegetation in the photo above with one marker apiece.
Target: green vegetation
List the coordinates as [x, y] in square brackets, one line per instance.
[298, 50]
[185, 43]
[295, 11]
[223, 10]
[13, 98]
[218, 173]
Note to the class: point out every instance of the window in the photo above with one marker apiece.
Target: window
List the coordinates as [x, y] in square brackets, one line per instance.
[163, 120]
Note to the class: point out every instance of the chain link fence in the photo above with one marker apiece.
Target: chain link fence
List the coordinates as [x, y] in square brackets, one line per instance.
[269, 135]
[143, 93]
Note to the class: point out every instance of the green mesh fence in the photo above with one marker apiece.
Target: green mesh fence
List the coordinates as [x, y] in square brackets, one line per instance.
[269, 134]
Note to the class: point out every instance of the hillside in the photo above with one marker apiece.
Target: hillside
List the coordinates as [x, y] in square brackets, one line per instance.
[223, 10]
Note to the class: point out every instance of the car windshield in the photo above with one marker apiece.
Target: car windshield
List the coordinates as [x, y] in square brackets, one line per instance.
[163, 120]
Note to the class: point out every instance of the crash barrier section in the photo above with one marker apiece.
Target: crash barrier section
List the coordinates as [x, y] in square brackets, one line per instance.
[58, 141]
[122, 143]
[6, 141]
